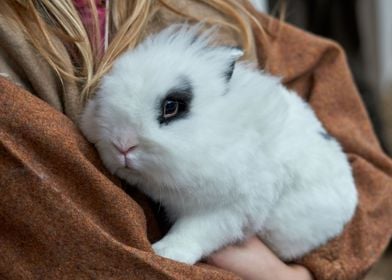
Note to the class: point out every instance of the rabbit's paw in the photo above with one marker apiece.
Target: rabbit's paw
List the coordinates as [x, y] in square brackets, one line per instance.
[185, 253]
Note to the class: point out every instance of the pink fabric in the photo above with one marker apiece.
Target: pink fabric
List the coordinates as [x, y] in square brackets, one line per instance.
[85, 14]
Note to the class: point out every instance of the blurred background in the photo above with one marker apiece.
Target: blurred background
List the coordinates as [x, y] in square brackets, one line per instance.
[364, 29]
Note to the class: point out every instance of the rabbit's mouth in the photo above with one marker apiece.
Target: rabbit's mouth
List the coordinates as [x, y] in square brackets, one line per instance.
[127, 157]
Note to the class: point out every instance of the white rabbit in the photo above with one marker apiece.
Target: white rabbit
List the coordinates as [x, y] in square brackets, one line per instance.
[225, 148]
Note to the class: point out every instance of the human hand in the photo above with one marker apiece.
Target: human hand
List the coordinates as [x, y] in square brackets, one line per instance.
[253, 260]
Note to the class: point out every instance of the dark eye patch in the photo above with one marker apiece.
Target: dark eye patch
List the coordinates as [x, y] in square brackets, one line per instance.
[176, 104]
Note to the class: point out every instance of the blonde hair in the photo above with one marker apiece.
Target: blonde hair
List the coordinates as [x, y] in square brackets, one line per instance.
[45, 21]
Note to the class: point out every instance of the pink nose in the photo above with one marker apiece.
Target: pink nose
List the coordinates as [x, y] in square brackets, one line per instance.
[125, 150]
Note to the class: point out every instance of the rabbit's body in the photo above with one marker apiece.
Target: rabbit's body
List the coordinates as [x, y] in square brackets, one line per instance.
[245, 156]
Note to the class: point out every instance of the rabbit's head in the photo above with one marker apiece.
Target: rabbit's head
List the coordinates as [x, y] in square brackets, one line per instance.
[152, 118]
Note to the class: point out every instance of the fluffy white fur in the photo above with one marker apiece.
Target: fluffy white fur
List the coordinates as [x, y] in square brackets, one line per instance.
[251, 156]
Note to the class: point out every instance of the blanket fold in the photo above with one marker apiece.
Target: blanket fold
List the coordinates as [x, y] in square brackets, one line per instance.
[61, 215]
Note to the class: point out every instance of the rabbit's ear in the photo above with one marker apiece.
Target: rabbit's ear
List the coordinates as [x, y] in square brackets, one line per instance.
[234, 53]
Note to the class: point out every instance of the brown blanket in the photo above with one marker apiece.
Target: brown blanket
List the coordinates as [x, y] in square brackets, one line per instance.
[63, 217]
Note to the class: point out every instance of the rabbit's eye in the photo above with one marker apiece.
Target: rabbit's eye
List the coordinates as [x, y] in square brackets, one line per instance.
[174, 107]
[170, 108]
[176, 104]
